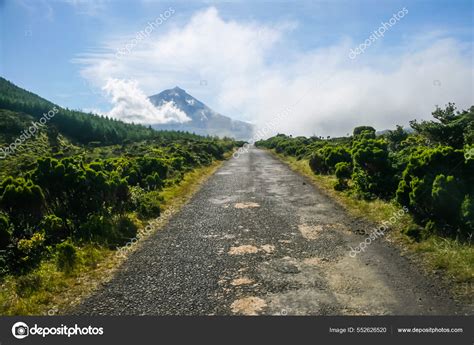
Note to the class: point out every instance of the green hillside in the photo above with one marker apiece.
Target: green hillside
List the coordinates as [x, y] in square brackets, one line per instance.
[77, 126]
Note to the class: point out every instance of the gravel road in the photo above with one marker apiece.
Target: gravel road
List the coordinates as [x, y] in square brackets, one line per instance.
[259, 239]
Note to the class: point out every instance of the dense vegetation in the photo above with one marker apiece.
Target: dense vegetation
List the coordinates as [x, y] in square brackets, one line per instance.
[430, 170]
[82, 199]
[83, 180]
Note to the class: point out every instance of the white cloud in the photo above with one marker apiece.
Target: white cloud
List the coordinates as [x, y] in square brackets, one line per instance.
[253, 73]
[130, 104]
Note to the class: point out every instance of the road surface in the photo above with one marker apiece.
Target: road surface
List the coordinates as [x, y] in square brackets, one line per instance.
[259, 239]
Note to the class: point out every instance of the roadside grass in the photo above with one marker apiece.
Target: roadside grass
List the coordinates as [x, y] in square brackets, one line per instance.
[47, 291]
[454, 259]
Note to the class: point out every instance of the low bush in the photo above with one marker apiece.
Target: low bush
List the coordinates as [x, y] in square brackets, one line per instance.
[343, 174]
[66, 257]
[149, 205]
[416, 232]
[5, 232]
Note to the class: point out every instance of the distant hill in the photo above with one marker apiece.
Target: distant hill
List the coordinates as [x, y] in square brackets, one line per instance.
[204, 120]
[19, 107]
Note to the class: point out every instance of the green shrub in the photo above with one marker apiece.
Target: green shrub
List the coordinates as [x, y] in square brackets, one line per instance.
[360, 129]
[343, 174]
[334, 155]
[149, 205]
[366, 134]
[430, 228]
[108, 230]
[467, 214]
[153, 182]
[5, 232]
[126, 227]
[23, 201]
[55, 229]
[324, 160]
[317, 163]
[96, 228]
[435, 184]
[447, 194]
[396, 137]
[373, 174]
[66, 257]
[29, 253]
[415, 231]
[27, 284]
[343, 170]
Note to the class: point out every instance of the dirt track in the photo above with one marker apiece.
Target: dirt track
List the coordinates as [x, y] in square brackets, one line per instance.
[260, 239]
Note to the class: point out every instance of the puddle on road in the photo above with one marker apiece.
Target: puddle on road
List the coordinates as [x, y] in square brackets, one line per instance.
[248, 306]
[241, 205]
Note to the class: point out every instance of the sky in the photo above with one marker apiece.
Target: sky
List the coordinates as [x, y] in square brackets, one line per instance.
[319, 63]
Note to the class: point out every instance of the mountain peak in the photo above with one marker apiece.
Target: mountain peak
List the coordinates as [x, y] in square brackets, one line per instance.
[177, 88]
[175, 92]
[204, 120]
[169, 95]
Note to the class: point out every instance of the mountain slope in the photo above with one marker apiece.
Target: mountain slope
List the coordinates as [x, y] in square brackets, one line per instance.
[204, 120]
[19, 107]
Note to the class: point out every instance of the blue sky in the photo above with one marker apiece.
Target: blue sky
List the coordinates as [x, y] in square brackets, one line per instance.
[245, 59]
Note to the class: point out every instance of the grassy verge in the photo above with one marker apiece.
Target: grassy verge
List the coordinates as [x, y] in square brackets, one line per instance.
[47, 291]
[453, 259]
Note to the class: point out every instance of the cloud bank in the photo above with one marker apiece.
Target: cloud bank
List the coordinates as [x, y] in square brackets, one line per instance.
[253, 72]
[132, 105]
